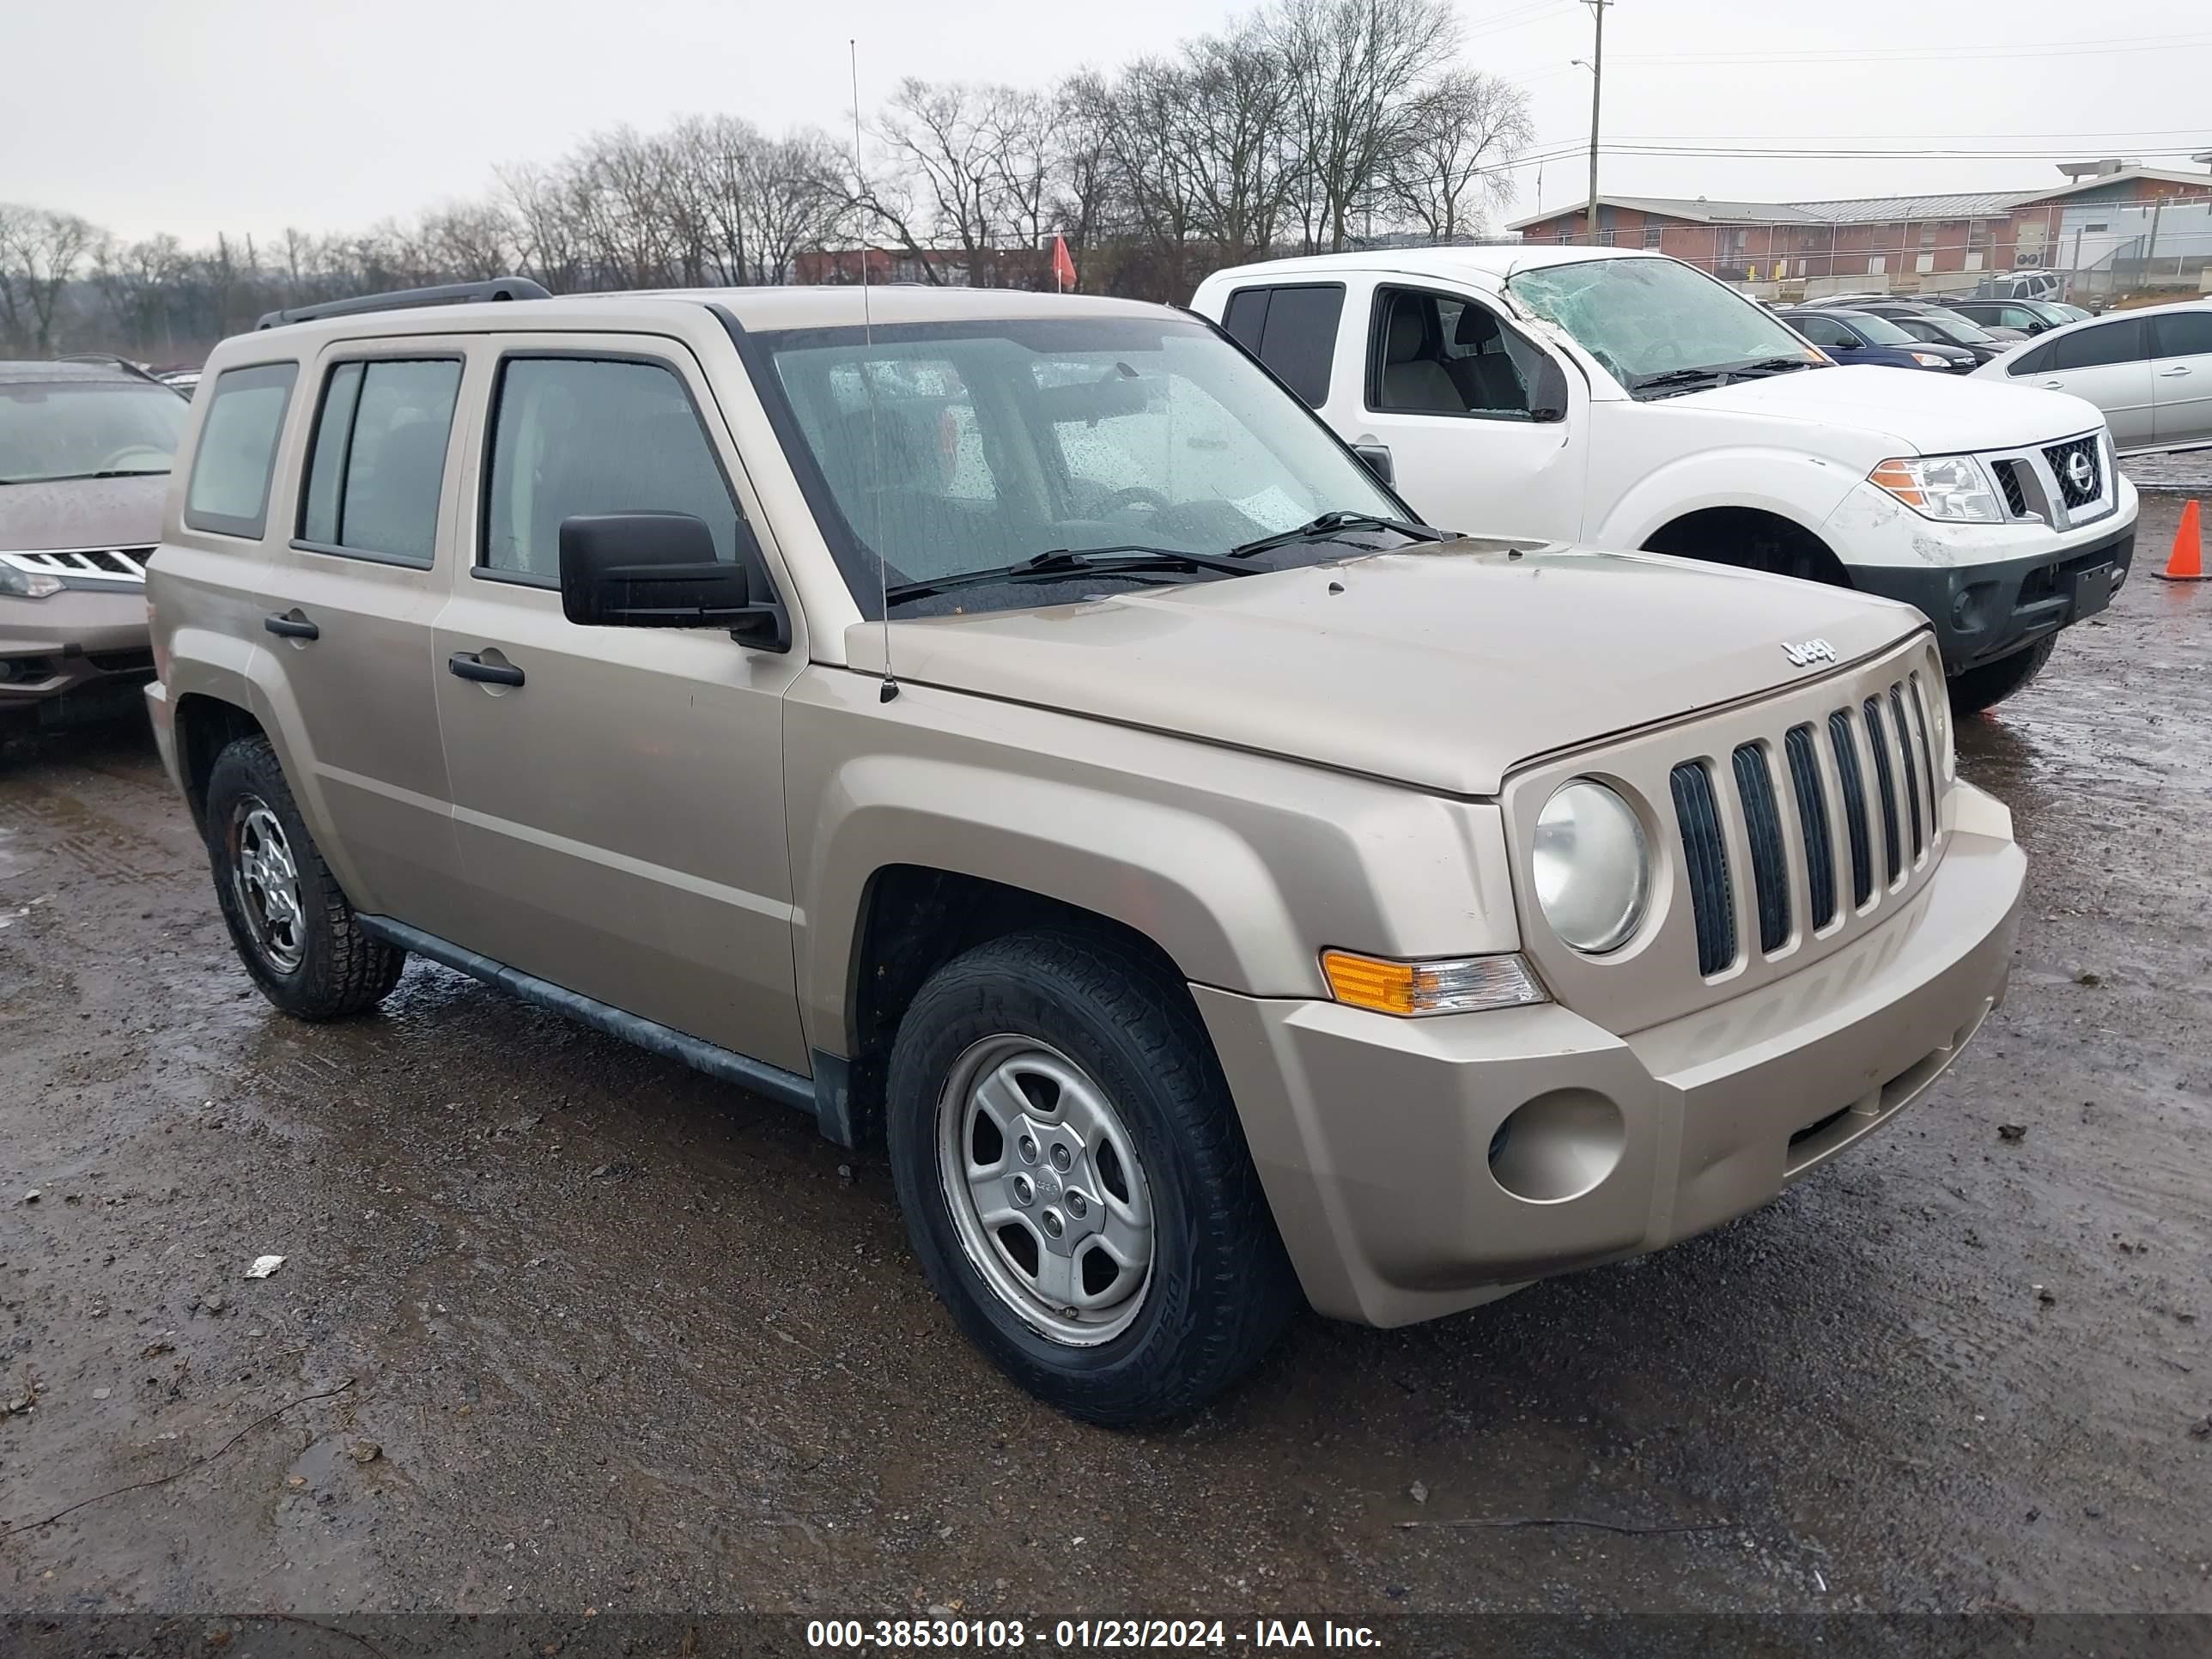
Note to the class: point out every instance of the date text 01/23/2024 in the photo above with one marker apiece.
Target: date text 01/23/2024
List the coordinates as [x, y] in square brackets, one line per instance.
[989, 1636]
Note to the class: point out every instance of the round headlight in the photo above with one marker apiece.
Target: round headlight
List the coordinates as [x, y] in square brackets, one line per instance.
[1593, 870]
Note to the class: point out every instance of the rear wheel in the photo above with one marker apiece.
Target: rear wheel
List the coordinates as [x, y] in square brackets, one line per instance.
[293, 926]
[1075, 1180]
[1991, 682]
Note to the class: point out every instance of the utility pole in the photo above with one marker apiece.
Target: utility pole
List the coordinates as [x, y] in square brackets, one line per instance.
[1597, 87]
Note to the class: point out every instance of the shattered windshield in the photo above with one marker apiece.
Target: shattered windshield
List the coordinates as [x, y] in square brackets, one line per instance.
[1644, 320]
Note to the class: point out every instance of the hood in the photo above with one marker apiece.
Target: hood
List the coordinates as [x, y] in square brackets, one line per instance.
[1441, 667]
[83, 512]
[1924, 414]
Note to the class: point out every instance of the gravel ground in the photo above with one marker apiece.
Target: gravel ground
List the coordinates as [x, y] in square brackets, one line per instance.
[590, 1332]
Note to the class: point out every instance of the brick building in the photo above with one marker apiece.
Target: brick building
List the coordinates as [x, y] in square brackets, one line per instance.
[1905, 239]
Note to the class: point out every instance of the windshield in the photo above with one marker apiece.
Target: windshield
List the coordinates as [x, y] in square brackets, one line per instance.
[1879, 330]
[52, 429]
[1644, 318]
[941, 449]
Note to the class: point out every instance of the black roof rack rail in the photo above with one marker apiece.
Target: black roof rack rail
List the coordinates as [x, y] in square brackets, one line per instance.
[406, 299]
[116, 359]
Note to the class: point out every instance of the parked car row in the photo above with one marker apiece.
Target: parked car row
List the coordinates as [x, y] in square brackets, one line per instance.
[1868, 338]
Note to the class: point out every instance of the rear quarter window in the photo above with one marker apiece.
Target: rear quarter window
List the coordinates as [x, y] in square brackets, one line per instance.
[236, 455]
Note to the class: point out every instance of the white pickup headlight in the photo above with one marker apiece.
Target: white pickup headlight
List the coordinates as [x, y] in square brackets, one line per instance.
[1953, 487]
[1593, 866]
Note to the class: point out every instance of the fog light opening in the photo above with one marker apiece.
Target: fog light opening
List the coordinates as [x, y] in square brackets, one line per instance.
[1559, 1146]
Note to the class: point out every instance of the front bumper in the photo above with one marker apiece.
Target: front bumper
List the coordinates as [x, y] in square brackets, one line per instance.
[1981, 612]
[78, 652]
[1377, 1140]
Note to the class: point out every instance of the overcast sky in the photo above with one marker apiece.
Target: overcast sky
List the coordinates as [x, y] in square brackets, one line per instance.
[196, 116]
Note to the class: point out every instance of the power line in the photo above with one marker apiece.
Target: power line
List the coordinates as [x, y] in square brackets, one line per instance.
[1786, 152]
[1541, 12]
[1903, 55]
[1847, 137]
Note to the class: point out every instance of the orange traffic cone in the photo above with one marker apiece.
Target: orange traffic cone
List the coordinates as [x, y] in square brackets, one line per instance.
[2187, 564]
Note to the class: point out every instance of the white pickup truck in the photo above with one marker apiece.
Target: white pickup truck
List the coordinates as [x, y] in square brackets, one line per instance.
[1628, 401]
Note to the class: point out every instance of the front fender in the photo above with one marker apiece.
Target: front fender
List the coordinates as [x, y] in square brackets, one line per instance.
[1803, 489]
[1240, 867]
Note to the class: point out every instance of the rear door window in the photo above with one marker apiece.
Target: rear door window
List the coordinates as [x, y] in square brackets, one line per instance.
[2094, 348]
[378, 466]
[1290, 329]
[236, 454]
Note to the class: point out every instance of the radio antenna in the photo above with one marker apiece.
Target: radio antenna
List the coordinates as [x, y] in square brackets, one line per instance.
[868, 389]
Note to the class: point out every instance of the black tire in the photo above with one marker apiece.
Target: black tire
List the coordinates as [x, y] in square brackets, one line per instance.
[1991, 682]
[339, 969]
[1221, 1288]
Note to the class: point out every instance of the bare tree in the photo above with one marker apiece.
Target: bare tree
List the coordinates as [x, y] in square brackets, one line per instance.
[41, 252]
[1355, 67]
[1460, 133]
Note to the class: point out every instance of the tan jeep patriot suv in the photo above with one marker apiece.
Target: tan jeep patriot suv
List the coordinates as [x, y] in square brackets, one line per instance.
[1015, 727]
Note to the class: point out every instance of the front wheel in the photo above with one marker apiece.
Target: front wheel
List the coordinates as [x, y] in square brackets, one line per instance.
[1991, 682]
[1076, 1182]
[294, 930]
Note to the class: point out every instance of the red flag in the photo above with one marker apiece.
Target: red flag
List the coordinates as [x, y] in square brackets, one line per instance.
[1063, 268]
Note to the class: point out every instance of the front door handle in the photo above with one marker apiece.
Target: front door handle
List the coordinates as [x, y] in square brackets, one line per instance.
[471, 666]
[291, 627]
[2169, 374]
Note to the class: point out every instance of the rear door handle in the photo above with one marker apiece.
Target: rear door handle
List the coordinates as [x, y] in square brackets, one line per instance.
[2054, 385]
[471, 666]
[294, 627]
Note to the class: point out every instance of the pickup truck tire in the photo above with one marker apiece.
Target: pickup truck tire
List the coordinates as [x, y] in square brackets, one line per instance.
[1991, 682]
[292, 925]
[1094, 1060]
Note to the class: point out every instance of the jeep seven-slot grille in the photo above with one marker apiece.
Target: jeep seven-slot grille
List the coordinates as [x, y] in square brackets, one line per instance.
[1846, 809]
[2090, 484]
[1705, 852]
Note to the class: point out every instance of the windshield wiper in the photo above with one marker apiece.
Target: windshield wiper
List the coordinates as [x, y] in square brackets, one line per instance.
[1063, 562]
[1323, 528]
[1684, 378]
[80, 477]
[1774, 365]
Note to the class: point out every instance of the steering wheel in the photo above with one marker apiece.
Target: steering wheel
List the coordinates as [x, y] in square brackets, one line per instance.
[115, 463]
[1133, 495]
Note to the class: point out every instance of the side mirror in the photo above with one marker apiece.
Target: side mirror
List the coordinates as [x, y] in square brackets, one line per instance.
[660, 570]
[1547, 397]
[1376, 458]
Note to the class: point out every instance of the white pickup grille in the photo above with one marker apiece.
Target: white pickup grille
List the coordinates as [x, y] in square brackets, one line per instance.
[89, 565]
